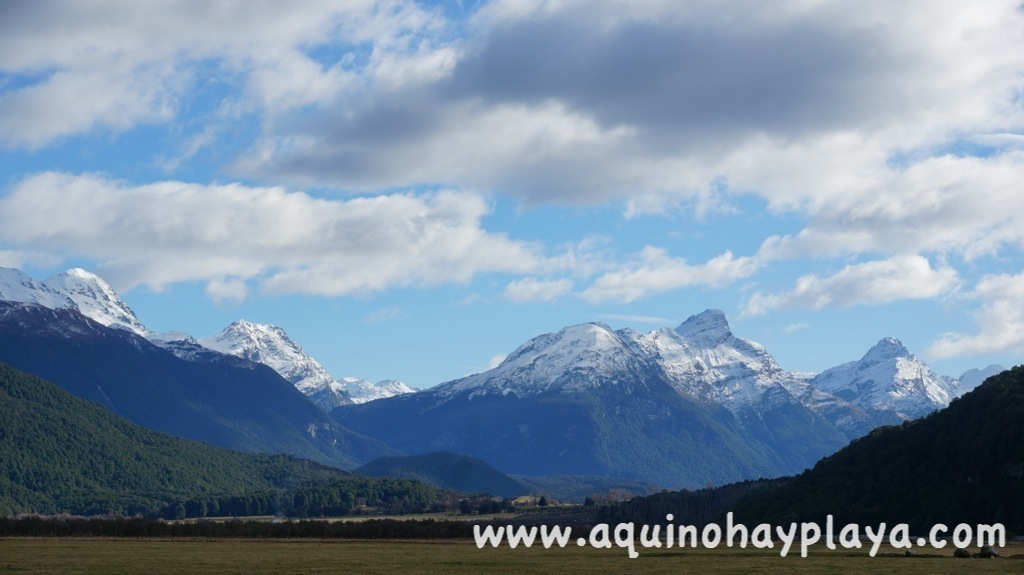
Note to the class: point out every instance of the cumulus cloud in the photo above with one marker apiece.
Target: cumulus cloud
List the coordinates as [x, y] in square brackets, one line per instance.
[898, 278]
[654, 271]
[533, 289]
[118, 64]
[283, 241]
[885, 128]
[652, 102]
[964, 205]
[1000, 320]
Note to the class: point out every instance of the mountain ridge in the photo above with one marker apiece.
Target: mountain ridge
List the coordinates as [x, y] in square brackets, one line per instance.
[93, 297]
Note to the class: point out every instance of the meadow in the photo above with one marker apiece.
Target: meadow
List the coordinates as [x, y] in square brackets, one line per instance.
[180, 557]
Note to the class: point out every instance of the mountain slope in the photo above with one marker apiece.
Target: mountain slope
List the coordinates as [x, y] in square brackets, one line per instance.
[447, 470]
[223, 400]
[62, 454]
[963, 464]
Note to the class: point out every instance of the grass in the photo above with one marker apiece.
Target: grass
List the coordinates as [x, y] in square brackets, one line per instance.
[181, 557]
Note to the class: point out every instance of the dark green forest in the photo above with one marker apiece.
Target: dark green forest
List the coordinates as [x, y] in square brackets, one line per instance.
[62, 454]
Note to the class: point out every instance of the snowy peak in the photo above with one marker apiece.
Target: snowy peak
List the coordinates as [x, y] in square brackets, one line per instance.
[76, 289]
[96, 300]
[576, 357]
[17, 286]
[887, 349]
[271, 346]
[707, 328]
[974, 377]
[571, 346]
[891, 382]
[362, 391]
[704, 359]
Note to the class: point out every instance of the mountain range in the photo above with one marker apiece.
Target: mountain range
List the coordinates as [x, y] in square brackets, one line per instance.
[676, 407]
[679, 407]
[267, 344]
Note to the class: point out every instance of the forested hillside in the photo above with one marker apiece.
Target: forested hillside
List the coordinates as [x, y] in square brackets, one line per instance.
[962, 464]
[62, 454]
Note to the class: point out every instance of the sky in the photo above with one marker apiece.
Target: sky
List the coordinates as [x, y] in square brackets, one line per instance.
[414, 189]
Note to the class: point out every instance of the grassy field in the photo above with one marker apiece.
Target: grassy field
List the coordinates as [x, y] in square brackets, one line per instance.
[180, 557]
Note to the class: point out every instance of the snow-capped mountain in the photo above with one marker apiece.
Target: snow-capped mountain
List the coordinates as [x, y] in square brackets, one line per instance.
[574, 358]
[19, 287]
[704, 359]
[91, 296]
[570, 395]
[271, 346]
[362, 391]
[75, 289]
[890, 382]
[96, 300]
[974, 377]
[221, 399]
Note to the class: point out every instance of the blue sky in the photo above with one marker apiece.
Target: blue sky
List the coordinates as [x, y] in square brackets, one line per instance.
[411, 190]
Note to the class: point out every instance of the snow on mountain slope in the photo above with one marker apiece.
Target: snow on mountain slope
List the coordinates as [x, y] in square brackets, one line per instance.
[17, 286]
[76, 289]
[974, 377]
[574, 358]
[362, 391]
[890, 382]
[96, 300]
[703, 359]
[271, 346]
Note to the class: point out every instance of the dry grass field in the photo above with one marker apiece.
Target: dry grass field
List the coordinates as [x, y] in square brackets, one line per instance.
[181, 557]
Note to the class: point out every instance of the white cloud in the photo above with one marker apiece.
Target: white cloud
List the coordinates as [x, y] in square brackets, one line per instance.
[898, 278]
[496, 360]
[285, 242]
[654, 271]
[531, 289]
[118, 64]
[965, 205]
[1000, 320]
[653, 102]
[224, 290]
